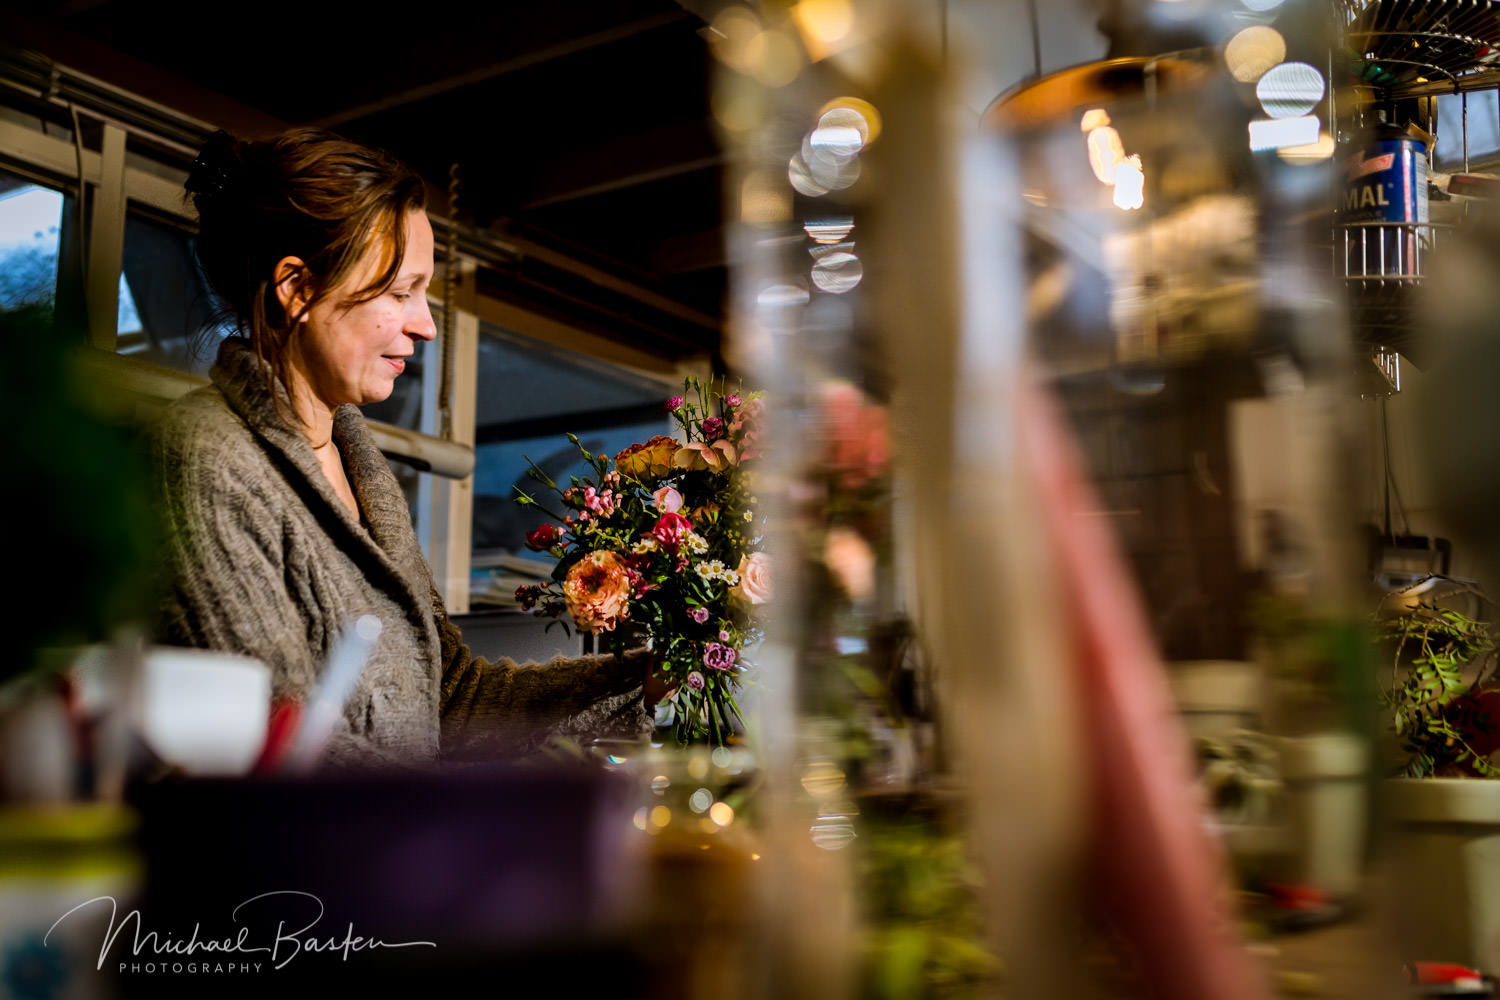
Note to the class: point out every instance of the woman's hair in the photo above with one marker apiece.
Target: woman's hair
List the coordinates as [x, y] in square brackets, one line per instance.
[306, 193]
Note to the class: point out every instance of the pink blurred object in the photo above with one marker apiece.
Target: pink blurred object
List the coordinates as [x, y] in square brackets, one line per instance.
[1163, 880]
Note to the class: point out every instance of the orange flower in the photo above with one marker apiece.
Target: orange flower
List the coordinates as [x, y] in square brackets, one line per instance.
[648, 460]
[597, 590]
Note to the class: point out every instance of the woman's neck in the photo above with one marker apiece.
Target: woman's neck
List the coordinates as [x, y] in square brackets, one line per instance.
[314, 416]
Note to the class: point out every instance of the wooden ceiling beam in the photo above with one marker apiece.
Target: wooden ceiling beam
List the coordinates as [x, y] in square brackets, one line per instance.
[503, 67]
[689, 252]
[625, 162]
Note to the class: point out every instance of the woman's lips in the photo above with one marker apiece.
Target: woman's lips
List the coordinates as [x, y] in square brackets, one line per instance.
[399, 364]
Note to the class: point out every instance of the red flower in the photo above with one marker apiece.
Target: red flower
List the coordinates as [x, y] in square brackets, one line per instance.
[543, 538]
[670, 530]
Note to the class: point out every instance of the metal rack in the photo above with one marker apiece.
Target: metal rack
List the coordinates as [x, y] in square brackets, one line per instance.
[1406, 49]
[1416, 47]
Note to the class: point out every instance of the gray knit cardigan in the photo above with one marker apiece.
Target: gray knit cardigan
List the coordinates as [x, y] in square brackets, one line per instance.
[263, 559]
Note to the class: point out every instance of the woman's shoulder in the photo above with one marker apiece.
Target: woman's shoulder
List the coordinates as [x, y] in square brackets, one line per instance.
[203, 426]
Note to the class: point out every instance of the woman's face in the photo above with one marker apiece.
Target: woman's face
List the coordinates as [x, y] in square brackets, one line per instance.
[352, 352]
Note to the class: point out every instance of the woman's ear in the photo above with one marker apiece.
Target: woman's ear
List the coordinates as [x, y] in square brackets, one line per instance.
[293, 286]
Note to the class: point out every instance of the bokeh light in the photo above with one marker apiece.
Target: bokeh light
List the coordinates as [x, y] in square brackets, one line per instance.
[801, 178]
[1105, 153]
[837, 272]
[773, 58]
[1290, 90]
[1253, 51]
[832, 832]
[1314, 152]
[1130, 184]
[732, 29]
[829, 230]
[864, 116]
[823, 22]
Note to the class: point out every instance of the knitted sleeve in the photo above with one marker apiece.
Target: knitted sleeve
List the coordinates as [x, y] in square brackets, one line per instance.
[500, 706]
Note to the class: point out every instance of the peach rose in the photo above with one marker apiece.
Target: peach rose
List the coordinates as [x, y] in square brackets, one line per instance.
[649, 459]
[597, 590]
[755, 579]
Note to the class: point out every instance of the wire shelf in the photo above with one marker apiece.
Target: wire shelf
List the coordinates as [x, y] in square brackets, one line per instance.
[1402, 45]
[1387, 252]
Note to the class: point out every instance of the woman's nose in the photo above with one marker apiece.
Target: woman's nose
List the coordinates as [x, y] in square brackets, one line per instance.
[421, 324]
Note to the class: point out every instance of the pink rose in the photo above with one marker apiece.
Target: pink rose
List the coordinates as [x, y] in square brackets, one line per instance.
[699, 615]
[597, 591]
[670, 530]
[695, 681]
[755, 579]
[668, 499]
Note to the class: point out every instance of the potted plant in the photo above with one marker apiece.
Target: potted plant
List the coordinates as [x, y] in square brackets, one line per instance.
[1439, 696]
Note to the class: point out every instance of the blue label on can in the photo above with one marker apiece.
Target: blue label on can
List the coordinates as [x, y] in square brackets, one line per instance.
[1387, 182]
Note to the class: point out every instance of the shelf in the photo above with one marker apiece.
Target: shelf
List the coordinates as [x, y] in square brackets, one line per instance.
[1419, 47]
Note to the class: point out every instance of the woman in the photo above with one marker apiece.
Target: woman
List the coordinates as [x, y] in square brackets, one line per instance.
[284, 521]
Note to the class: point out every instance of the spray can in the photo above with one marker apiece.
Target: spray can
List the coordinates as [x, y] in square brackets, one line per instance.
[1384, 211]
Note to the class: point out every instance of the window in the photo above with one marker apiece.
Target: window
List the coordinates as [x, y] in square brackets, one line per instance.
[168, 315]
[531, 396]
[1480, 123]
[31, 221]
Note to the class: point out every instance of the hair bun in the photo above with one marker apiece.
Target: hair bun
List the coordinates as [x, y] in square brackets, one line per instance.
[215, 169]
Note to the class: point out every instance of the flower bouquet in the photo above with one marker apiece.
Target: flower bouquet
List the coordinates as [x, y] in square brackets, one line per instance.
[666, 537]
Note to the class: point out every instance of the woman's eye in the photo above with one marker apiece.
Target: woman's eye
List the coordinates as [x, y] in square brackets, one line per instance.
[401, 296]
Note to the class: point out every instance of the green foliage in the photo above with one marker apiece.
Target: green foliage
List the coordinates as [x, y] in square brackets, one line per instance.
[86, 533]
[924, 933]
[1432, 650]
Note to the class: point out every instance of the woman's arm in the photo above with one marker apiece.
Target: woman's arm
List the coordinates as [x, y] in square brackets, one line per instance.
[500, 706]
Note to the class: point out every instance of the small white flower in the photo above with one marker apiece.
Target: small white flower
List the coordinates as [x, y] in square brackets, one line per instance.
[730, 577]
[643, 546]
[696, 543]
[705, 570]
[749, 515]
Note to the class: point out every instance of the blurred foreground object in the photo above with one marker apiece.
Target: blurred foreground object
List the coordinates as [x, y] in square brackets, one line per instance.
[75, 484]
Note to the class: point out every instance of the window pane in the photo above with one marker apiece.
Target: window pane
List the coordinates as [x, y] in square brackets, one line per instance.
[531, 396]
[168, 315]
[403, 408]
[30, 234]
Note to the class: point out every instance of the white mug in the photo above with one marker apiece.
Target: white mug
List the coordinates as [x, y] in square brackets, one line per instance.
[202, 710]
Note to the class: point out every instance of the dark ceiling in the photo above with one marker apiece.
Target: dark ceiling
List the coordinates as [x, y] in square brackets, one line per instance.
[581, 131]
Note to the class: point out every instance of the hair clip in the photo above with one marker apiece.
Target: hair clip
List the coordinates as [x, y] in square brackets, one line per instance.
[210, 173]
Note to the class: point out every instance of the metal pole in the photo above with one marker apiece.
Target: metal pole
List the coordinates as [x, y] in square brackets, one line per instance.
[1464, 103]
